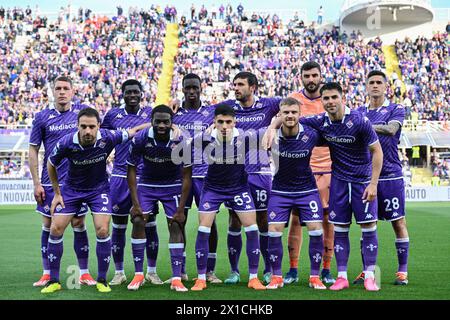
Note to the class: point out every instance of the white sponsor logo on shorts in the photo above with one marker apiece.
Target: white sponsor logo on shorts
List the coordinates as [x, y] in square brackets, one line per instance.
[315, 216]
[395, 214]
[104, 209]
[248, 206]
[369, 216]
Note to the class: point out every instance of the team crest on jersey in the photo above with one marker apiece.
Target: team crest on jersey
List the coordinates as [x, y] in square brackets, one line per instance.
[144, 115]
[272, 215]
[173, 145]
[332, 214]
[76, 111]
[205, 113]
[206, 205]
[349, 124]
[305, 138]
[102, 144]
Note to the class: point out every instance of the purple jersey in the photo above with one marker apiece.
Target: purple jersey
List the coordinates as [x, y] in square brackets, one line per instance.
[256, 117]
[349, 140]
[87, 165]
[158, 166]
[226, 169]
[388, 112]
[291, 156]
[49, 126]
[120, 119]
[194, 122]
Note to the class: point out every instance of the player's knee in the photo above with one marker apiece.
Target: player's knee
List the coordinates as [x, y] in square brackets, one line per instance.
[102, 232]
[138, 222]
[235, 223]
[78, 222]
[400, 228]
[314, 226]
[56, 230]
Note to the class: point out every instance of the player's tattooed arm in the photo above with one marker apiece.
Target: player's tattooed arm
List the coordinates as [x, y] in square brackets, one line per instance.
[185, 190]
[370, 192]
[389, 129]
[132, 185]
[39, 193]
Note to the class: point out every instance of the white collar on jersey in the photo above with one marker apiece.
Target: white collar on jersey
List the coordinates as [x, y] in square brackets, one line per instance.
[235, 134]
[52, 107]
[126, 113]
[77, 141]
[347, 111]
[300, 130]
[151, 134]
[256, 98]
[386, 103]
[202, 105]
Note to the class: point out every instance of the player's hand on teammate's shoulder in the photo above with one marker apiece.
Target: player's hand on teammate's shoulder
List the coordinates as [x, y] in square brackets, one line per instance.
[174, 104]
[39, 194]
[176, 131]
[210, 129]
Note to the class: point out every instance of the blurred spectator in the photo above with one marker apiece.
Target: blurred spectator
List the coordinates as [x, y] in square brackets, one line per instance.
[320, 16]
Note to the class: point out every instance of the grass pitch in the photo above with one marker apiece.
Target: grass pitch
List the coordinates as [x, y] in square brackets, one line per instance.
[428, 223]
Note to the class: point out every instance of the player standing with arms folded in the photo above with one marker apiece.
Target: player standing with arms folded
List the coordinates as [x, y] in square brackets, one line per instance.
[50, 125]
[387, 120]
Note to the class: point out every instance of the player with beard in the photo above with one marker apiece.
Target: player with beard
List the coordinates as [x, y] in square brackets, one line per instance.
[50, 125]
[311, 104]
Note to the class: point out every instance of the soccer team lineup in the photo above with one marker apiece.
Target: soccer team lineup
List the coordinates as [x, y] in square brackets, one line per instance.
[277, 164]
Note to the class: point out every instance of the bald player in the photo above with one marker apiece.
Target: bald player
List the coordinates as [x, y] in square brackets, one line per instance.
[311, 104]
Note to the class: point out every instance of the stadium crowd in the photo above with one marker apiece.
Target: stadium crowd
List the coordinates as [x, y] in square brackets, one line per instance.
[101, 52]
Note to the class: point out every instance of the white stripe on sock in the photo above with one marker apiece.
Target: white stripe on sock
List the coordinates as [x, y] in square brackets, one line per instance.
[402, 240]
[315, 233]
[253, 227]
[234, 233]
[150, 224]
[204, 229]
[273, 234]
[104, 240]
[55, 241]
[212, 255]
[369, 229]
[341, 229]
[138, 241]
[176, 245]
[264, 234]
[44, 228]
[79, 229]
[119, 226]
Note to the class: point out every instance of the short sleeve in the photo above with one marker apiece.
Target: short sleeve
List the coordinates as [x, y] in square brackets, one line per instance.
[37, 131]
[107, 121]
[398, 115]
[368, 134]
[118, 136]
[59, 152]
[310, 121]
[135, 151]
